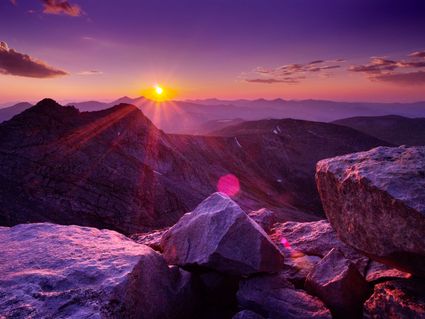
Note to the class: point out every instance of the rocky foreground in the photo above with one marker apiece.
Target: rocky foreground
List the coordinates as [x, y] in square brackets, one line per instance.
[221, 262]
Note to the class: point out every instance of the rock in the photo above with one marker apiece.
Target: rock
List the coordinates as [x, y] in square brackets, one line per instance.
[54, 271]
[338, 283]
[274, 297]
[264, 217]
[296, 239]
[379, 272]
[218, 235]
[297, 267]
[247, 314]
[397, 299]
[375, 201]
[151, 239]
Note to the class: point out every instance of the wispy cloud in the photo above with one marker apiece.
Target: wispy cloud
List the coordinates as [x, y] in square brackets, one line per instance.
[61, 7]
[290, 73]
[399, 71]
[90, 72]
[58, 7]
[15, 63]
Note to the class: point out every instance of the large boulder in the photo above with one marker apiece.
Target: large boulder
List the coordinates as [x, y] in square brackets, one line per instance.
[338, 283]
[375, 200]
[397, 299]
[52, 271]
[218, 235]
[274, 297]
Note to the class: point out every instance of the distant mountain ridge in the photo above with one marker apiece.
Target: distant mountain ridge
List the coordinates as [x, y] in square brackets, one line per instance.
[114, 169]
[192, 116]
[394, 129]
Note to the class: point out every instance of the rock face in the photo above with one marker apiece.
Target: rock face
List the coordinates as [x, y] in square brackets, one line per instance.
[220, 236]
[401, 298]
[52, 271]
[375, 201]
[379, 272]
[264, 217]
[275, 298]
[301, 241]
[338, 283]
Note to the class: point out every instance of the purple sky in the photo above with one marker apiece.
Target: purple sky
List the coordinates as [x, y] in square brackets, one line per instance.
[92, 49]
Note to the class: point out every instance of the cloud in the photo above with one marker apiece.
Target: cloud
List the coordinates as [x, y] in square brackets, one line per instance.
[90, 72]
[289, 73]
[15, 63]
[418, 54]
[61, 7]
[411, 78]
[395, 71]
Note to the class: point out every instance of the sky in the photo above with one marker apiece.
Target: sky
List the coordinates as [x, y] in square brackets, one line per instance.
[351, 50]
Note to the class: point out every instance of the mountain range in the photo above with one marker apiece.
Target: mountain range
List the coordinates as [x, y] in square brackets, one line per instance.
[115, 169]
[197, 116]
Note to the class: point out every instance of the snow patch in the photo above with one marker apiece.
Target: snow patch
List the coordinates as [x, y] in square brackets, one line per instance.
[237, 142]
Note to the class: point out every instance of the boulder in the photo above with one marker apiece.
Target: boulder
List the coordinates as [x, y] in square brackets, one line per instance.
[274, 297]
[380, 272]
[247, 314]
[397, 299]
[54, 271]
[151, 239]
[218, 235]
[264, 217]
[375, 201]
[338, 283]
[297, 239]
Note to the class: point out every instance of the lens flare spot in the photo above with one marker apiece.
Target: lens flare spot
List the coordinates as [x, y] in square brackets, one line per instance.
[228, 184]
[285, 242]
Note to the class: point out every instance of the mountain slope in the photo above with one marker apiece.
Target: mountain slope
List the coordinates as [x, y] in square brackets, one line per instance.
[394, 129]
[8, 112]
[114, 169]
[292, 148]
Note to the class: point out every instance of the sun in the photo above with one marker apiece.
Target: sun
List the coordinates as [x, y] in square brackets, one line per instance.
[159, 90]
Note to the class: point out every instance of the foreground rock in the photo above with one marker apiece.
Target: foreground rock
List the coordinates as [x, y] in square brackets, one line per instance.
[57, 271]
[338, 283]
[375, 201]
[264, 217]
[275, 298]
[304, 244]
[398, 299]
[220, 236]
[151, 239]
[379, 272]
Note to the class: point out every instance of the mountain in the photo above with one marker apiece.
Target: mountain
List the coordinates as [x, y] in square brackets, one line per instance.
[114, 169]
[7, 113]
[394, 129]
[291, 148]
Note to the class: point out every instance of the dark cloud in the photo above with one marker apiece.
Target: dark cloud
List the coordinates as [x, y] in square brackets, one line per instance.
[410, 78]
[15, 63]
[418, 54]
[290, 73]
[61, 7]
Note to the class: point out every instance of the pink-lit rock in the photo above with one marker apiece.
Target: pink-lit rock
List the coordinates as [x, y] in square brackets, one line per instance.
[296, 239]
[274, 297]
[397, 299]
[375, 201]
[264, 217]
[52, 271]
[338, 283]
[219, 235]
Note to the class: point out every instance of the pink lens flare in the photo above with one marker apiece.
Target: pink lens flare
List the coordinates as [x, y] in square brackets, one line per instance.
[285, 242]
[228, 184]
